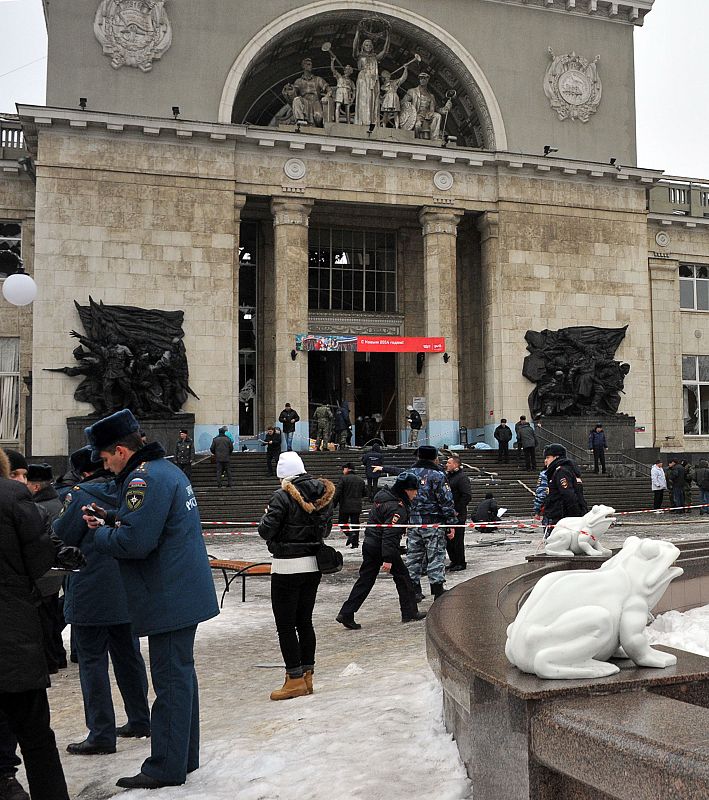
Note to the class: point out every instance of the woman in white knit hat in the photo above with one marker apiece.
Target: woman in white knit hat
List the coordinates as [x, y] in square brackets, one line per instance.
[297, 519]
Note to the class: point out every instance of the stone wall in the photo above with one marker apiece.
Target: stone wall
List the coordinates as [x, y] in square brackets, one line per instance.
[133, 222]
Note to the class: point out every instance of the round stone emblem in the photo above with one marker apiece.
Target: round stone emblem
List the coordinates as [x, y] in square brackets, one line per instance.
[662, 238]
[443, 180]
[575, 87]
[294, 168]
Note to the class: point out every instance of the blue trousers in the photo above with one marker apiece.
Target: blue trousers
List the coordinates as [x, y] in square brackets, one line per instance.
[94, 643]
[174, 746]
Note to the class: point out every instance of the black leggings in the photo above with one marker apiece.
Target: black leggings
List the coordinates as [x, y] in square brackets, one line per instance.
[292, 601]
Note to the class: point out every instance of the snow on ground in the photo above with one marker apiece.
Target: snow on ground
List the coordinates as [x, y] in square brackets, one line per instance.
[688, 631]
[372, 729]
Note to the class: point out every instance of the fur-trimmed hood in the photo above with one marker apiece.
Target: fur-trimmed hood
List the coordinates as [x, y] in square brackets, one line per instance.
[4, 464]
[311, 494]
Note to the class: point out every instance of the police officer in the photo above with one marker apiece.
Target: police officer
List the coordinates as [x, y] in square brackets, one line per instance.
[184, 453]
[381, 548]
[156, 535]
[96, 606]
[563, 499]
[433, 504]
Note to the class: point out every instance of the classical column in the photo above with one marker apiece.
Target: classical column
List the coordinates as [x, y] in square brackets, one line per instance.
[239, 203]
[493, 310]
[440, 226]
[290, 312]
[666, 353]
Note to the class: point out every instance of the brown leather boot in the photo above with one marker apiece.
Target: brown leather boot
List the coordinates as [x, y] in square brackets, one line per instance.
[293, 687]
[308, 677]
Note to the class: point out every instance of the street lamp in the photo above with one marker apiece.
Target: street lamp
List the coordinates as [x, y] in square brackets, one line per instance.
[19, 289]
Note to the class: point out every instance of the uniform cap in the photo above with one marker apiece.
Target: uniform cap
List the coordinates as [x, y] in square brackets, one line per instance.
[406, 480]
[83, 461]
[39, 472]
[109, 430]
[555, 450]
[427, 452]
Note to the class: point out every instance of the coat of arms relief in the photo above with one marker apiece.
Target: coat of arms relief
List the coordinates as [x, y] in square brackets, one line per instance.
[133, 32]
[572, 85]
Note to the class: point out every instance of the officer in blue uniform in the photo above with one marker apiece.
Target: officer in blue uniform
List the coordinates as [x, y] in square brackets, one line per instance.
[156, 535]
[96, 606]
[433, 504]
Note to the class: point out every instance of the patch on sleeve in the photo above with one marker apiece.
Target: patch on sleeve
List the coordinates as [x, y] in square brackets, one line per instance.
[137, 483]
[395, 518]
[564, 483]
[135, 499]
[66, 503]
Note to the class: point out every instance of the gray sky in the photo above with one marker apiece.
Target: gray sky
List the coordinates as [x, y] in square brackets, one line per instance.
[672, 88]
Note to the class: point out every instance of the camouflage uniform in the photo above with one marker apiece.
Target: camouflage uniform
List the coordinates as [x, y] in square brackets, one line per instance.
[433, 503]
[323, 420]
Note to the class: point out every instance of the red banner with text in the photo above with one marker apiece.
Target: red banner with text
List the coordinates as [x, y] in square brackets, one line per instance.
[400, 344]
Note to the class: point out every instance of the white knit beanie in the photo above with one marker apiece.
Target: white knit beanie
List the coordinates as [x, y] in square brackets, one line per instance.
[289, 464]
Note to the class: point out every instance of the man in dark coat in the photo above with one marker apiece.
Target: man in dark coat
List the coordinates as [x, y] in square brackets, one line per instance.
[677, 481]
[503, 434]
[381, 549]
[341, 424]
[597, 445]
[462, 495]
[222, 447]
[348, 495]
[39, 482]
[415, 423]
[156, 535]
[486, 512]
[563, 499]
[272, 440]
[288, 417]
[26, 553]
[96, 606]
[527, 442]
[371, 460]
[184, 453]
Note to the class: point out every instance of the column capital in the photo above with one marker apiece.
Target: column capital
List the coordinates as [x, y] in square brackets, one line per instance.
[489, 225]
[289, 211]
[239, 203]
[440, 220]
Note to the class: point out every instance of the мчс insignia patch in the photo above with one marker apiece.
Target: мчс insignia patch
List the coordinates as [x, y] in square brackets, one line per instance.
[564, 483]
[134, 499]
[137, 483]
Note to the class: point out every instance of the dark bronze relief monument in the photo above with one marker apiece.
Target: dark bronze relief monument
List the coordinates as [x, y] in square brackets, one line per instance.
[575, 371]
[132, 358]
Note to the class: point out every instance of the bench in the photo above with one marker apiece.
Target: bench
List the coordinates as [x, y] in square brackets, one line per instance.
[231, 570]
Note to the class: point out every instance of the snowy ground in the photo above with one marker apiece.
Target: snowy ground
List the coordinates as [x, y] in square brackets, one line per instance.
[373, 727]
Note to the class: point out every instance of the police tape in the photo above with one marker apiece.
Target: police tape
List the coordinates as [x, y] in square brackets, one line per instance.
[506, 524]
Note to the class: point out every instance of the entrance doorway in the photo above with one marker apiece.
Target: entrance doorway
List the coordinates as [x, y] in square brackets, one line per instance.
[367, 381]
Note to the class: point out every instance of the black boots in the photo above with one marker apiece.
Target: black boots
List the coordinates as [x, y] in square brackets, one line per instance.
[437, 590]
[414, 616]
[348, 622]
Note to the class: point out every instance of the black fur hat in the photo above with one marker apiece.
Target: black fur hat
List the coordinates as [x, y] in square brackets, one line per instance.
[427, 452]
[39, 472]
[109, 430]
[83, 461]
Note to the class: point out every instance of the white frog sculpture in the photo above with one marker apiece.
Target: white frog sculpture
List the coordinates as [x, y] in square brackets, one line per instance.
[575, 536]
[575, 620]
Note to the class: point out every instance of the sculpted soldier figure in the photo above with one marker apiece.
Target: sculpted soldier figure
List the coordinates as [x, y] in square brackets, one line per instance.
[419, 111]
[311, 89]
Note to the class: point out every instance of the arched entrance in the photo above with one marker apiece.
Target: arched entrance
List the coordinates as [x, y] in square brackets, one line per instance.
[273, 58]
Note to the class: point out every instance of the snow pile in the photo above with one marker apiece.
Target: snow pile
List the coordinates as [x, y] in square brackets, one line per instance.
[351, 669]
[688, 631]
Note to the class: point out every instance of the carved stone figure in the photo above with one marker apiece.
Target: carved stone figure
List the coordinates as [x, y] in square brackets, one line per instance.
[130, 358]
[133, 32]
[286, 115]
[390, 103]
[575, 371]
[345, 90]
[576, 536]
[367, 91]
[310, 89]
[419, 113]
[574, 621]
[572, 86]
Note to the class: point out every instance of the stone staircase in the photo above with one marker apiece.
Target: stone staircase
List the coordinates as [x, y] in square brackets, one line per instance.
[512, 487]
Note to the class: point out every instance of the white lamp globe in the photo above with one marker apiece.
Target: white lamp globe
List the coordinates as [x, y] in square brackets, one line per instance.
[19, 289]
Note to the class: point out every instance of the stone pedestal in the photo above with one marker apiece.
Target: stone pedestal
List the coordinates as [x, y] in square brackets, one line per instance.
[440, 226]
[290, 313]
[165, 430]
[619, 430]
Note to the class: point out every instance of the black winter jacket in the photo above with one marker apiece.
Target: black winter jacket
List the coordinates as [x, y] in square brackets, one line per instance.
[349, 493]
[388, 509]
[184, 451]
[288, 417]
[222, 447]
[503, 433]
[564, 498]
[372, 459]
[298, 516]
[462, 495]
[26, 553]
[50, 506]
[486, 511]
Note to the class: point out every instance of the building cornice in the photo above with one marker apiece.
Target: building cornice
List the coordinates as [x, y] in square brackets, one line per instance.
[680, 220]
[629, 12]
[36, 118]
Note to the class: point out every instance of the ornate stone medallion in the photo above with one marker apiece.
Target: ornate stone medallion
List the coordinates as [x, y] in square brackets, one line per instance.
[294, 169]
[662, 238]
[573, 87]
[133, 32]
[443, 180]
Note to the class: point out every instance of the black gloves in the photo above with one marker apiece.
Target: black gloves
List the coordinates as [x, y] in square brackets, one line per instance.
[69, 558]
